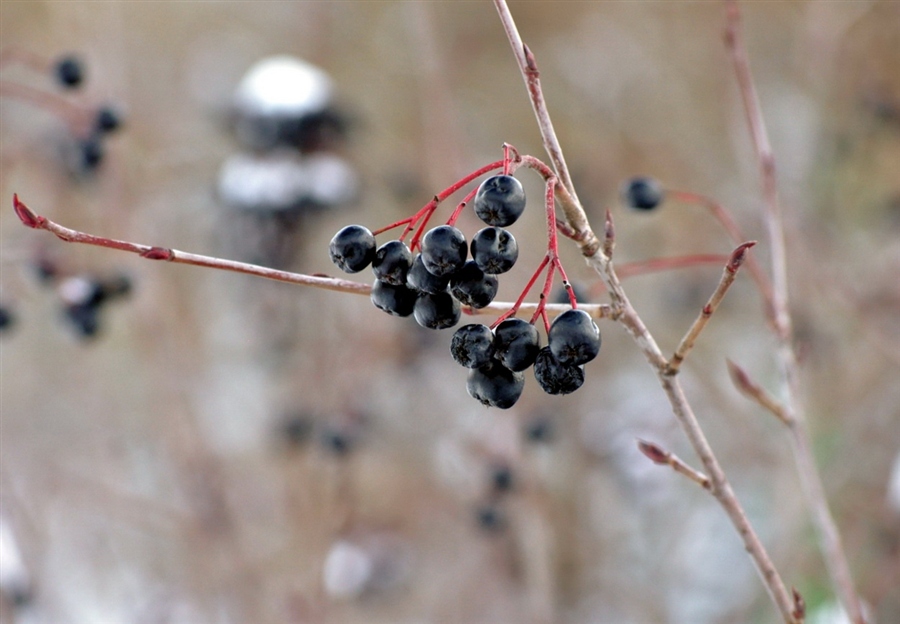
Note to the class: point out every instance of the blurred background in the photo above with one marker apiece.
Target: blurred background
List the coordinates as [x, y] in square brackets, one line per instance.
[184, 445]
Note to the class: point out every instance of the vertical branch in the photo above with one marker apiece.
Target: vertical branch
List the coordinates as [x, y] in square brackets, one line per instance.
[811, 481]
[600, 260]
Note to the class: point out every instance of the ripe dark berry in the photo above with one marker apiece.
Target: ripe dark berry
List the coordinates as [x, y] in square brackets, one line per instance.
[336, 442]
[494, 250]
[502, 478]
[422, 280]
[555, 377]
[500, 200]
[7, 318]
[495, 385]
[395, 300]
[574, 337]
[84, 318]
[352, 249]
[391, 263]
[90, 154]
[69, 71]
[444, 250]
[489, 518]
[642, 193]
[472, 345]
[539, 430]
[516, 344]
[472, 287]
[438, 311]
[107, 120]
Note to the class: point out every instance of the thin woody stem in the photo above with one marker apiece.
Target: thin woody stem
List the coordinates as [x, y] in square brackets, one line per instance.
[757, 393]
[601, 262]
[728, 275]
[811, 481]
[77, 118]
[737, 237]
[659, 455]
[32, 220]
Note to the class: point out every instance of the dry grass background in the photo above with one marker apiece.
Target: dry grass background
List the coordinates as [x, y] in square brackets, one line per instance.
[143, 475]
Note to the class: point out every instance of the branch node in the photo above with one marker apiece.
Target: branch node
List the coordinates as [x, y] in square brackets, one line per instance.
[158, 253]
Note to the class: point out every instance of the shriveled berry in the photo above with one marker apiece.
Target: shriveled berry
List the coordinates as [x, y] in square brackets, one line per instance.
[574, 337]
[352, 249]
[438, 311]
[444, 250]
[422, 280]
[516, 344]
[472, 345]
[500, 200]
[494, 250]
[642, 193]
[392, 261]
[69, 71]
[395, 300]
[555, 377]
[494, 385]
[472, 286]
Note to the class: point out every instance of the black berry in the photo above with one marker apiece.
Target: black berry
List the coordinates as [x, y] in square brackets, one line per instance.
[500, 200]
[574, 337]
[352, 249]
[494, 250]
[642, 193]
[391, 262]
[7, 318]
[69, 71]
[107, 120]
[494, 385]
[490, 518]
[472, 287]
[438, 311]
[396, 300]
[444, 250]
[472, 345]
[336, 442]
[85, 319]
[502, 478]
[424, 281]
[90, 153]
[555, 377]
[516, 344]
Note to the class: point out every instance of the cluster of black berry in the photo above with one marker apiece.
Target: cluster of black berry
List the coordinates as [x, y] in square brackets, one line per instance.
[88, 151]
[435, 283]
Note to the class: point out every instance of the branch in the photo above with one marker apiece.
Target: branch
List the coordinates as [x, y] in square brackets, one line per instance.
[728, 275]
[811, 481]
[757, 393]
[32, 220]
[659, 455]
[601, 262]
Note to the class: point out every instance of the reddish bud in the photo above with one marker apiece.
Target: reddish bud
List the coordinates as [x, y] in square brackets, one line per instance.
[654, 452]
[740, 378]
[26, 215]
[737, 257]
[158, 253]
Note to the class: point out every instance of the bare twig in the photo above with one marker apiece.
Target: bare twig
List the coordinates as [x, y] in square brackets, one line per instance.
[600, 261]
[32, 220]
[826, 527]
[754, 391]
[728, 275]
[659, 455]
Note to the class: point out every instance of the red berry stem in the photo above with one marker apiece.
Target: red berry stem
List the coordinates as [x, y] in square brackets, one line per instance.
[521, 299]
[465, 202]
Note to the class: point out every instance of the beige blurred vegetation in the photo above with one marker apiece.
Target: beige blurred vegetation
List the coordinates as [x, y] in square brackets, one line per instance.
[143, 475]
